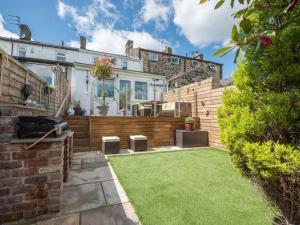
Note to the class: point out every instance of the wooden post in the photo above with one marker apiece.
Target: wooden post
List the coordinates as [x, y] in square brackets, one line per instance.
[41, 88]
[1, 73]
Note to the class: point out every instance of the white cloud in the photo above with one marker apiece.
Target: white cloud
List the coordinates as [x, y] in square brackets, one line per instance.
[85, 19]
[4, 32]
[102, 36]
[113, 41]
[154, 11]
[201, 24]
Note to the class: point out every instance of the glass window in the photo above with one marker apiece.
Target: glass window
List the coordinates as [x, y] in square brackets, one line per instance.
[195, 63]
[125, 85]
[141, 90]
[124, 65]
[109, 88]
[174, 60]
[44, 72]
[60, 56]
[211, 67]
[153, 56]
[22, 51]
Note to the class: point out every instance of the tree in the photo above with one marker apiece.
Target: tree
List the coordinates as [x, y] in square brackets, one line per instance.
[260, 117]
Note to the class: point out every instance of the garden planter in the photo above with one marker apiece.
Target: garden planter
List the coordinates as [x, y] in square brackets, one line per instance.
[77, 111]
[103, 110]
[189, 126]
[123, 112]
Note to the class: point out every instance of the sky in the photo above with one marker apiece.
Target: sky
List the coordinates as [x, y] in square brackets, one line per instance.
[184, 25]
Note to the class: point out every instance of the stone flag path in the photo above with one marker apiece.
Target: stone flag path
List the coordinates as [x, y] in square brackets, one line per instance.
[93, 195]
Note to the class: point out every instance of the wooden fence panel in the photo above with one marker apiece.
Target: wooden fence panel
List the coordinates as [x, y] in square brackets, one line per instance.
[90, 129]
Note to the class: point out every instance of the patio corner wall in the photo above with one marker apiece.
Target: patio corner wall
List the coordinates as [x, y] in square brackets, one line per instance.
[206, 98]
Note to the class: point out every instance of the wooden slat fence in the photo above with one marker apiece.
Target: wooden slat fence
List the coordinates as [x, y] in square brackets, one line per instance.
[90, 129]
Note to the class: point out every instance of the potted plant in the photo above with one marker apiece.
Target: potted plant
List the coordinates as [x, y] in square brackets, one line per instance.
[102, 70]
[189, 123]
[49, 88]
[76, 107]
[124, 97]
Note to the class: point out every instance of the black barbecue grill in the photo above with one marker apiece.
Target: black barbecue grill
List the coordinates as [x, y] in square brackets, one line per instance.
[37, 126]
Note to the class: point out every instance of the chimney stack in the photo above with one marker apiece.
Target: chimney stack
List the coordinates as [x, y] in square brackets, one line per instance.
[82, 42]
[198, 56]
[168, 50]
[128, 47]
[25, 32]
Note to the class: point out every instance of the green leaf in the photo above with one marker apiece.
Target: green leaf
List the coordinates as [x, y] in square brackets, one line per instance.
[226, 52]
[237, 55]
[245, 24]
[222, 50]
[241, 1]
[234, 33]
[202, 1]
[219, 4]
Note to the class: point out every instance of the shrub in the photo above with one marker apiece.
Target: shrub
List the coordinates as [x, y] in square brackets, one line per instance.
[260, 117]
[189, 120]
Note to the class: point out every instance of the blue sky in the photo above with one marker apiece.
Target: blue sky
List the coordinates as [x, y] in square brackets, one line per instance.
[184, 25]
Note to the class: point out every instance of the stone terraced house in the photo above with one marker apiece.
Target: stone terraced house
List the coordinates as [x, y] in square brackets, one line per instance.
[178, 69]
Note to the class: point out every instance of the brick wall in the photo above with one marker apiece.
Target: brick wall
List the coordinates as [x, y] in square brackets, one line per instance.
[30, 181]
[206, 97]
[13, 76]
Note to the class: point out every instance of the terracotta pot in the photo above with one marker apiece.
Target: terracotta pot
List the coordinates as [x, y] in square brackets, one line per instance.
[77, 111]
[189, 126]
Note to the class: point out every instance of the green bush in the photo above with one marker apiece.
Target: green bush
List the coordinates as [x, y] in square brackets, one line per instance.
[260, 117]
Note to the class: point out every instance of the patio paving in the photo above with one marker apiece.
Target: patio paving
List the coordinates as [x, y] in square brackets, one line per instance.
[93, 195]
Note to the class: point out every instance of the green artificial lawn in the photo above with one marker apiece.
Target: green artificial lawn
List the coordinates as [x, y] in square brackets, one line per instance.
[190, 187]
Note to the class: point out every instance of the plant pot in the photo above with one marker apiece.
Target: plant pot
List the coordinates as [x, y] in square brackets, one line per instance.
[77, 111]
[103, 110]
[123, 112]
[189, 126]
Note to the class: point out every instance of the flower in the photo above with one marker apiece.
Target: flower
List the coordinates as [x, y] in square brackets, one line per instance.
[266, 41]
[102, 68]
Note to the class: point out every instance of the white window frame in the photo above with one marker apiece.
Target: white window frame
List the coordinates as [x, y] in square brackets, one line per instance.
[175, 63]
[61, 53]
[124, 63]
[22, 49]
[195, 63]
[212, 67]
[137, 99]
[153, 56]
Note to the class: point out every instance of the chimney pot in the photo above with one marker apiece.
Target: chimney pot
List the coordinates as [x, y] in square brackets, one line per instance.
[168, 50]
[25, 32]
[82, 42]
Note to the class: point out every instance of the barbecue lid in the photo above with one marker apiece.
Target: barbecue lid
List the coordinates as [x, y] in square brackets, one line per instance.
[40, 119]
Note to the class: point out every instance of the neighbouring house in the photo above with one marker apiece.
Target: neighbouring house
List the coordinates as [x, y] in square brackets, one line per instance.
[178, 70]
[76, 63]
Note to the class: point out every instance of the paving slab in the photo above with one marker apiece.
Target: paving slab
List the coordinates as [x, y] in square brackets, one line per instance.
[85, 155]
[73, 219]
[88, 176]
[82, 197]
[111, 215]
[114, 193]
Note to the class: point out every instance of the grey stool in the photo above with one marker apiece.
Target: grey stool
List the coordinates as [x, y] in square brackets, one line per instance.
[110, 144]
[138, 142]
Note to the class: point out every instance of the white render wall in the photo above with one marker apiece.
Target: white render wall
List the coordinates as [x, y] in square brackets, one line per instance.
[82, 91]
[72, 56]
[87, 93]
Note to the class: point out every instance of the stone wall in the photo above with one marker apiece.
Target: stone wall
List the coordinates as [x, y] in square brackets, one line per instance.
[206, 97]
[30, 181]
[164, 66]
